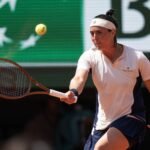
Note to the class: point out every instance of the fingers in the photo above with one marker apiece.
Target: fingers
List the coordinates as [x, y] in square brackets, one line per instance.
[70, 98]
[61, 100]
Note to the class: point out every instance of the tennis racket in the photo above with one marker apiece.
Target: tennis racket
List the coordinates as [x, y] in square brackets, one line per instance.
[16, 82]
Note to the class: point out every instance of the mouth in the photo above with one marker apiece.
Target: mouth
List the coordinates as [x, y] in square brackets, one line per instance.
[97, 44]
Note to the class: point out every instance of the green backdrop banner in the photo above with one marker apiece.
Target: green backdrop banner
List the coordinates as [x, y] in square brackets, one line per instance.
[63, 42]
[68, 28]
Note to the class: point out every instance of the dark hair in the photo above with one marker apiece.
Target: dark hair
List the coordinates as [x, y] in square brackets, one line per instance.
[108, 16]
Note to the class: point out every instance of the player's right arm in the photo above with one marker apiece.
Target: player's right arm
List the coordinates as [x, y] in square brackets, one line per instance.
[77, 83]
[79, 80]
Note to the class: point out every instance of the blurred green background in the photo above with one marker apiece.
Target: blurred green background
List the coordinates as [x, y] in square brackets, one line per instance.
[63, 41]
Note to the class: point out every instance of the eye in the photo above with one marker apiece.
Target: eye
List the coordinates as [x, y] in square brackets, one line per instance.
[98, 32]
[92, 33]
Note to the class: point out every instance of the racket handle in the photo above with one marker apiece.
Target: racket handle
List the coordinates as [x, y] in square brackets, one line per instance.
[59, 94]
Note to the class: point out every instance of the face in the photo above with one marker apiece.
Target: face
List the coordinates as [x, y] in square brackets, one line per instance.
[102, 37]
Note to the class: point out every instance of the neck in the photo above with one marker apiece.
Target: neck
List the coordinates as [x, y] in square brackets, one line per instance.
[113, 52]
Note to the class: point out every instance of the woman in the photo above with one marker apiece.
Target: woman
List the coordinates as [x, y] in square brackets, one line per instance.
[117, 72]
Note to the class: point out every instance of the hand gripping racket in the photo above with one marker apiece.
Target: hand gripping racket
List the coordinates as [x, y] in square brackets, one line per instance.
[15, 82]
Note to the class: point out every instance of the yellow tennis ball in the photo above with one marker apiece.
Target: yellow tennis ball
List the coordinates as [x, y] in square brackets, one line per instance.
[40, 29]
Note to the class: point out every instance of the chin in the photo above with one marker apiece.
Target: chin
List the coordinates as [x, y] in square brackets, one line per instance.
[99, 47]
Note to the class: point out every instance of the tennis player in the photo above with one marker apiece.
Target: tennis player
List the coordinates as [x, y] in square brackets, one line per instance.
[117, 72]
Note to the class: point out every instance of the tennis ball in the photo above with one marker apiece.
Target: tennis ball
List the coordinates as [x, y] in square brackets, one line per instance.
[40, 29]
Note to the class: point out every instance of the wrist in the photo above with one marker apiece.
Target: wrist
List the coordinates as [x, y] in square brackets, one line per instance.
[75, 92]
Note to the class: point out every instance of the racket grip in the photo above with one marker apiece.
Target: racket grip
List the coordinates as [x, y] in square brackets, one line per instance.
[59, 94]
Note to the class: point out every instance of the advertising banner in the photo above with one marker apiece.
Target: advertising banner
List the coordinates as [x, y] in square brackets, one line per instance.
[67, 28]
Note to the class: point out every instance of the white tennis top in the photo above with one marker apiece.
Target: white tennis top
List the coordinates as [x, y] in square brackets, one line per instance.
[114, 81]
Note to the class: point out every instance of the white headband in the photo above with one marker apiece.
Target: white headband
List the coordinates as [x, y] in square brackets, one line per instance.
[102, 23]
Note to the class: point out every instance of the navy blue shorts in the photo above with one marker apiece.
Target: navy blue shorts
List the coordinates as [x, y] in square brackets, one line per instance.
[134, 130]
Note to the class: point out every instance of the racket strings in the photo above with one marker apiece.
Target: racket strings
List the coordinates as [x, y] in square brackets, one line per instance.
[13, 82]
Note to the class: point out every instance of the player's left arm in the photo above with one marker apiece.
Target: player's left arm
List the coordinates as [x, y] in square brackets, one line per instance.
[147, 84]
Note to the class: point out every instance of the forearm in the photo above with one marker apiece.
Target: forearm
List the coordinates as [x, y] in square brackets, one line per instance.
[79, 80]
[77, 84]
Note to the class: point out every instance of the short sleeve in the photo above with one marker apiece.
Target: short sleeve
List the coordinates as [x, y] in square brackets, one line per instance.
[84, 61]
[144, 65]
